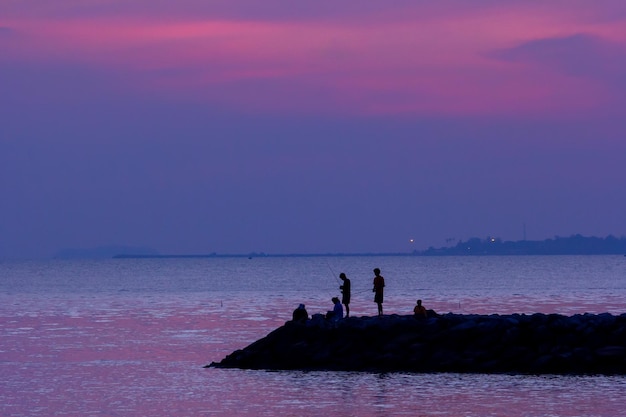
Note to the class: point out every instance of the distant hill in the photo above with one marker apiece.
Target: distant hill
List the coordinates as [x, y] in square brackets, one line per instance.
[573, 245]
[102, 252]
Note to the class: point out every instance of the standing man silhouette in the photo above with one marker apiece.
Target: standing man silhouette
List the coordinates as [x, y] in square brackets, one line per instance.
[379, 284]
[345, 292]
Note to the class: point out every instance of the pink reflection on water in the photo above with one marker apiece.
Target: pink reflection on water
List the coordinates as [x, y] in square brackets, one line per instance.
[136, 357]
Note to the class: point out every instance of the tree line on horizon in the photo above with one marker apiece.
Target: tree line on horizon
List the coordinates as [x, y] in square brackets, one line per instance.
[572, 245]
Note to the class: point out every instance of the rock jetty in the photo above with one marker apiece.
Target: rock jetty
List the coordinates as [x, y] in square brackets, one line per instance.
[516, 343]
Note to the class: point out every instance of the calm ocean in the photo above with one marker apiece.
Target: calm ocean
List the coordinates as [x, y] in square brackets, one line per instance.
[130, 337]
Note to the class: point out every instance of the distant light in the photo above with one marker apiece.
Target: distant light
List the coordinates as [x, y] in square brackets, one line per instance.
[411, 240]
[493, 239]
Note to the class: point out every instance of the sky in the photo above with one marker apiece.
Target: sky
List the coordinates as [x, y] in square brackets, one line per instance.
[199, 126]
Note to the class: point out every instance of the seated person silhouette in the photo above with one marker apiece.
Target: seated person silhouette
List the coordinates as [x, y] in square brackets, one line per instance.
[419, 311]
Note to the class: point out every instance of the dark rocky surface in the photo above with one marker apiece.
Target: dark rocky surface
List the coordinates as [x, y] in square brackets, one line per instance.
[516, 343]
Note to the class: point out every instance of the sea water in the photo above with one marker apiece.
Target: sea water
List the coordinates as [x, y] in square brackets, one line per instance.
[130, 337]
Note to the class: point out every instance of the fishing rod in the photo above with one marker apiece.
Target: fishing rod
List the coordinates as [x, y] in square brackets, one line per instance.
[333, 272]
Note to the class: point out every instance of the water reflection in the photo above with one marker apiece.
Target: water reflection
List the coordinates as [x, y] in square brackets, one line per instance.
[147, 360]
[87, 348]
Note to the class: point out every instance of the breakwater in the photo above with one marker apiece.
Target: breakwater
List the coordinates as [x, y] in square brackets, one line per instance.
[515, 343]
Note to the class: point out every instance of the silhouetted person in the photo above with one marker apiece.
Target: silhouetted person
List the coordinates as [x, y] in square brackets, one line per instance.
[345, 292]
[300, 314]
[379, 284]
[337, 312]
[419, 310]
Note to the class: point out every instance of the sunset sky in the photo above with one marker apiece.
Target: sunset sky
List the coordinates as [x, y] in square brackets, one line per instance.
[198, 126]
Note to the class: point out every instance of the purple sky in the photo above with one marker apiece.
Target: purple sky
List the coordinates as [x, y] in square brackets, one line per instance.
[197, 126]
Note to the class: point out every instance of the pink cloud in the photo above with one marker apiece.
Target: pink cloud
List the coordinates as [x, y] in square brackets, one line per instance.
[413, 60]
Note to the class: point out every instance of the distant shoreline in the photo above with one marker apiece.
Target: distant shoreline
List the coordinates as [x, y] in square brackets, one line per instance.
[344, 255]
[573, 245]
[260, 255]
[490, 246]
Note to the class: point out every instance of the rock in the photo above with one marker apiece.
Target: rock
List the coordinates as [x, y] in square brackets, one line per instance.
[518, 343]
